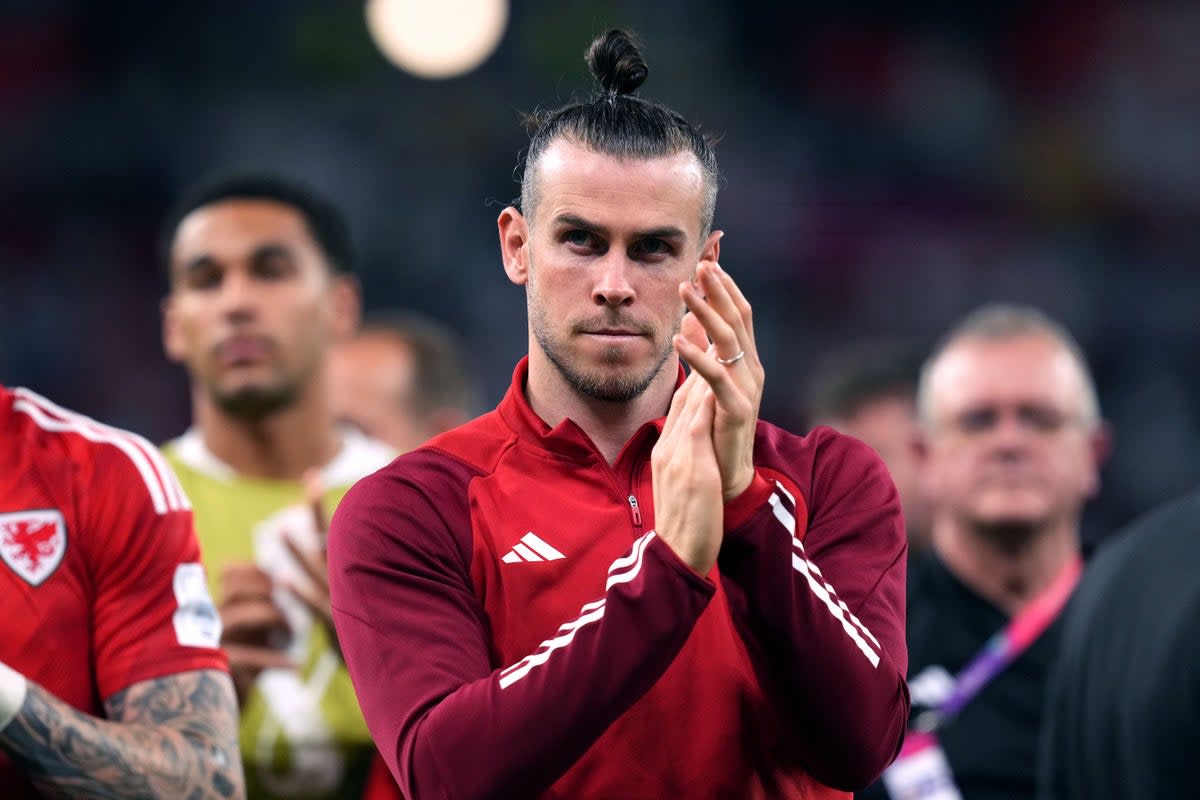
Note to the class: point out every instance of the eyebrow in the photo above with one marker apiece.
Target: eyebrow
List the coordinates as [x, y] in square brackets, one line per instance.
[262, 251]
[664, 232]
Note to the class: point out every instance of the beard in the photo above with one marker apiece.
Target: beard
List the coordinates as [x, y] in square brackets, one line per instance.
[254, 402]
[1009, 536]
[599, 385]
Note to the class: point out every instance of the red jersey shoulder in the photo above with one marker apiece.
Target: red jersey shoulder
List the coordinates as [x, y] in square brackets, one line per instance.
[818, 461]
[480, 443]
[103, 459]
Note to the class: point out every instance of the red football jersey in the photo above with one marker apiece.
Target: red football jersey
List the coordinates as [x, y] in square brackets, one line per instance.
[100, 578]
[515, 628]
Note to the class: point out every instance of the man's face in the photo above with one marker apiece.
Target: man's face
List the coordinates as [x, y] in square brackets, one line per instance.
[1008, 445]
[371, 377]
[602, 257]
[253, 304]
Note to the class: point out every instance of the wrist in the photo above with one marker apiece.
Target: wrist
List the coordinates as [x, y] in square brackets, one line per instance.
[13, 688]
[741, 508]
[738, 486]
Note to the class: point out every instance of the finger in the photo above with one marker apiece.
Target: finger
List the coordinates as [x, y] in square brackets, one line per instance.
[677, 402]
[243, 572]
[744, 312]
[719, 331]
[244, 582]
[716, 292]
[716, 375]
[700, 416]
[251, 622]
[693, 401]
[315, 601]
[314, 491]
[249, 658]
[239, 595]
[705, 413]
[313, 564]
[693, 330]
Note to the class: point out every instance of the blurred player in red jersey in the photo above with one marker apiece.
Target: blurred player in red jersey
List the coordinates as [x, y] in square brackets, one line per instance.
[575, 596]
[111, 681]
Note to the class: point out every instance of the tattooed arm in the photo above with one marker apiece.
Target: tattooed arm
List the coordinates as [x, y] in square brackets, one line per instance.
[170, 737]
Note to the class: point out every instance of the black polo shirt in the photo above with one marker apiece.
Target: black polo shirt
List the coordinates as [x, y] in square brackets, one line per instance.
[992, 745]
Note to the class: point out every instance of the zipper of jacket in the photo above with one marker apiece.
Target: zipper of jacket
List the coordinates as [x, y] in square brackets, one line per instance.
[635, 512]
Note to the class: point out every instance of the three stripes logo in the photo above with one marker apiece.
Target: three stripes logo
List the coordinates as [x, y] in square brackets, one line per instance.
[531, 548]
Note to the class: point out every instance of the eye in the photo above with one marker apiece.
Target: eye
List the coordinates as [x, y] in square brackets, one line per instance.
[580, 238]
[202, 276]
[1042, 419]
[977, 420]
[273, 265]
[654, 247]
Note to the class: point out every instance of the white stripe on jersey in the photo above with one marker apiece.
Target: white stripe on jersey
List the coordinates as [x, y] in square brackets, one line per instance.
[593, 611]
[823, 590]
[541, 546]
[165, 491]
[177, 500]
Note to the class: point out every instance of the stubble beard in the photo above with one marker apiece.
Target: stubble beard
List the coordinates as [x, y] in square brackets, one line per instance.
[254, 403]
[611, 388]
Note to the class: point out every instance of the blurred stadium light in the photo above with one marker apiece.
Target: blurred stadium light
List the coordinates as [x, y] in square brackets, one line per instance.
[440, 39]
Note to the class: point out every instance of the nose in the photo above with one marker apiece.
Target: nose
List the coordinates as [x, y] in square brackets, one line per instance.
[237, 297]
[612, 285]
[1010, 435]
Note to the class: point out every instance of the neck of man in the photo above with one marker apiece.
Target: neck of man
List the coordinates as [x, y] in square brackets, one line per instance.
[1007, 565]
[280, 445]
[609, 424]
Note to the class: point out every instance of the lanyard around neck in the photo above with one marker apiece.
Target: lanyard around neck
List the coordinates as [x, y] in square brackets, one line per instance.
[1005, 646]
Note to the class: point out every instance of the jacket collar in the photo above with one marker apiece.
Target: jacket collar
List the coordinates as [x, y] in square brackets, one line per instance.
[567, 438]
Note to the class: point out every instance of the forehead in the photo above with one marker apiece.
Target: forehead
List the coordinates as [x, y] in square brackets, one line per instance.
[232, 228]
[1024, 369]
[620, 192]
[376, 357]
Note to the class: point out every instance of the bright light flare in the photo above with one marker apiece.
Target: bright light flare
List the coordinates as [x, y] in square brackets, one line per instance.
[437, 38]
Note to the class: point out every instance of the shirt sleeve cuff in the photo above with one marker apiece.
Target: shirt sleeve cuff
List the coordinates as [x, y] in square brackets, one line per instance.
[739, 509]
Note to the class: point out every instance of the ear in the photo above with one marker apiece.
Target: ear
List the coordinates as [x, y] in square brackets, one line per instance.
[347, 306]
[1100, 444]
[514, 245]
[172, 337]
[922, 453]
[711, 251]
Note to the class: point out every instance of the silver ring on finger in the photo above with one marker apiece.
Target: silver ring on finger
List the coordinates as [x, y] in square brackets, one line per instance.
[728, 361]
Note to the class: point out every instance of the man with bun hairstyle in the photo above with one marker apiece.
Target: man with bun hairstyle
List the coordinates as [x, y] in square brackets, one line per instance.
[620, 582]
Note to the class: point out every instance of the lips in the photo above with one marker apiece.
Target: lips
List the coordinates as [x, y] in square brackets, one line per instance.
[613, 332]
[243, 350]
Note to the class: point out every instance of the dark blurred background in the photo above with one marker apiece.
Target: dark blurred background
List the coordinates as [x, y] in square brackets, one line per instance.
[888, 170]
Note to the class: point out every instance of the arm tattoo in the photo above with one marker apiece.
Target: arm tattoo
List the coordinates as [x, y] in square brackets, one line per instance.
[171, 737]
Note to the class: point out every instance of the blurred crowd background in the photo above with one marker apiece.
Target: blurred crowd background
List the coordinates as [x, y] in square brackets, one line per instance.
[889, 167]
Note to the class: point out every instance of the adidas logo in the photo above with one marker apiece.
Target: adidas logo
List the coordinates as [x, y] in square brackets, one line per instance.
[531, 548]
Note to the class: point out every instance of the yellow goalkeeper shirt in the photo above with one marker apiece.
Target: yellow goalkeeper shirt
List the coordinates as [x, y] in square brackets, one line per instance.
[302, 734]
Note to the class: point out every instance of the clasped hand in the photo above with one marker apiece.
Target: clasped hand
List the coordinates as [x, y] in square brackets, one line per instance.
[256, 631]
[705, 456]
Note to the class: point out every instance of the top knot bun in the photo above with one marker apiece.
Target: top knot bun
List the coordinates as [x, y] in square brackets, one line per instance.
[616, 61]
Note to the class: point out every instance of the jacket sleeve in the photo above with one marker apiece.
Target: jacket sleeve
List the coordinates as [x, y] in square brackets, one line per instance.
[814, 561]
[448, 721]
